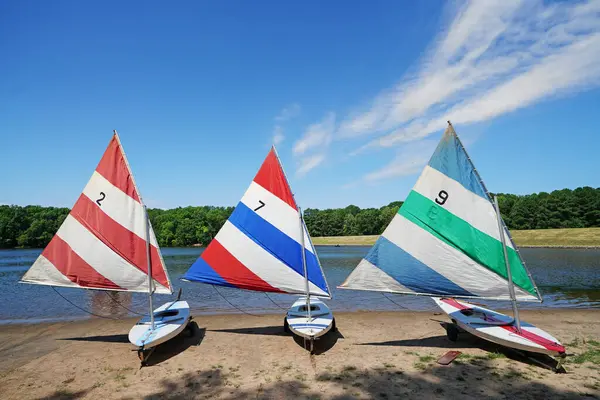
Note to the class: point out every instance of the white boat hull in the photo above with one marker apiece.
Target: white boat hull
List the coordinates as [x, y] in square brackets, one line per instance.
[320, 322]
[169, 320]
[499, 328]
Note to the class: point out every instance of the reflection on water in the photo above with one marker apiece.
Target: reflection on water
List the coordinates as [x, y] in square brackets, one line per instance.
[567, 278]
[115, 304]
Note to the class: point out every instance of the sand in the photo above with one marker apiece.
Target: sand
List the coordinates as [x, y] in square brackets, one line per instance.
[375, 355]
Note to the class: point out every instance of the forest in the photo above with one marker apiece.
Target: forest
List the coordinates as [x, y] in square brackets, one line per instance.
[34, 226]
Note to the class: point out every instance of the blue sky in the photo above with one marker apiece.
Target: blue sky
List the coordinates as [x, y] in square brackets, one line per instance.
[355, 94]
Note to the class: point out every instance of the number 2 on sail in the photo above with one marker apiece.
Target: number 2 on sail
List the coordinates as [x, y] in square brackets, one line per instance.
[103, 196]
[443, 196]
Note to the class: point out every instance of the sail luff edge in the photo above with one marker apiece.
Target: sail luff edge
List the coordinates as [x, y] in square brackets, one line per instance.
[511, 287]
[303, 222]
[137, 190]
[539, 294]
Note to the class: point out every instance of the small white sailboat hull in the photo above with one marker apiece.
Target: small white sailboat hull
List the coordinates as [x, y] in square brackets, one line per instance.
[320, 322]
[499, 328]
[169, 320]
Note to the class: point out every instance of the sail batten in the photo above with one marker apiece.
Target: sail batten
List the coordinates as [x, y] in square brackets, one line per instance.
[102, 242]
[445, 240]
[260, 246]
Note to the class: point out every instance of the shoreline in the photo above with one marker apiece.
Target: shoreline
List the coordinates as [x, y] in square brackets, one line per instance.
[195, 313]
[374, 355]
[520, 246]
[35, 322]
[317, 242]
[558, 247]
[562, 238]
[45, 322]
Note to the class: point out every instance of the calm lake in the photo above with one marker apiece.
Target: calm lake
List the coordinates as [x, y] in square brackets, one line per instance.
[567, 278]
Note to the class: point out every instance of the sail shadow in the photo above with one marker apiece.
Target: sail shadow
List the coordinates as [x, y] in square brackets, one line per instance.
[323, 344]
[441, 342]
[276, 330]
[177, 345]
[120, 338]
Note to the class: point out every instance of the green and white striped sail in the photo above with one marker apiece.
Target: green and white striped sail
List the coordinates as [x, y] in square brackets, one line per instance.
[445, 240]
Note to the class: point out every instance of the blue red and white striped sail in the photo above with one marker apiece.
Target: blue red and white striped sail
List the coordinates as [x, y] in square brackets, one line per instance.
[102, 242]
[445, 240]
[260, 246]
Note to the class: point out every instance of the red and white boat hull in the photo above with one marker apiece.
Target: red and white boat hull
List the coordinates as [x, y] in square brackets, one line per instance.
[499, 328]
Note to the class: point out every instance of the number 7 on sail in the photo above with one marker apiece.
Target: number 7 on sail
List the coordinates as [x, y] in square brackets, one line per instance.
[265, 246]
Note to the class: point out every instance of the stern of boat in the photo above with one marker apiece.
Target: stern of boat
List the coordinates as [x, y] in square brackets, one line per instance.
[298, 322]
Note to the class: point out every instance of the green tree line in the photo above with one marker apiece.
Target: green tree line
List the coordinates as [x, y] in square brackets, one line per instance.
[34, 226]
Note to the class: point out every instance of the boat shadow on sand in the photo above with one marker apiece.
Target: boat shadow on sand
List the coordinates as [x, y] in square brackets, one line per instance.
[321, 345]
[467, 341]
[164, 351]
[275, 330]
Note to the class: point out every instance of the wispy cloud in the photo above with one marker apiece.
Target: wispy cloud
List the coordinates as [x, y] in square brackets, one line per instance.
[316, 139]
[494, 57]
[278, 136]
[308, 163]
[287, 113]
[316, 135]
[410, 159]
[451, 67]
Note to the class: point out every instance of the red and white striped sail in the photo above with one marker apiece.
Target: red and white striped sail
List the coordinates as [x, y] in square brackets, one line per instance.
[102, 242]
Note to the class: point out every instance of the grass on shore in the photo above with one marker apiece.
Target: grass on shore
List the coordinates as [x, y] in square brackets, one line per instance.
[365, 240]
[567, 237]
[583, 237]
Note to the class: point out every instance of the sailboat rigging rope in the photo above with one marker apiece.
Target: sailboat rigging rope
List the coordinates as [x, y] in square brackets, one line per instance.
[383, 294]
[80, 308]
[273, 301]
[233, 305]
[115, 300]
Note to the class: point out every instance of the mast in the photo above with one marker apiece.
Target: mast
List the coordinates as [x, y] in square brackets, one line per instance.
[150, 291]
[501, 229]
[301, 220]
[451, 128]
[310, 242]
[511, 288]
[150, 283]
[304, 264]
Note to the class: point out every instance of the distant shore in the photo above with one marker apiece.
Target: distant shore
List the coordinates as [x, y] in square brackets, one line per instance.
[567, 238]
[380, 355]
[564, 238]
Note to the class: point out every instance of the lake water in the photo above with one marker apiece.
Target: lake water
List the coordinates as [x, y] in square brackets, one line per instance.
[567, 278]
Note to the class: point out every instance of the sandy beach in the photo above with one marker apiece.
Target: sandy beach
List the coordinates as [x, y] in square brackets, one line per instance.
[374, 355]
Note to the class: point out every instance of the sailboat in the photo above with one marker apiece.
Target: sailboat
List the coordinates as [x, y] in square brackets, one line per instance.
[448, 241]
[265, 246]
[106, 242]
